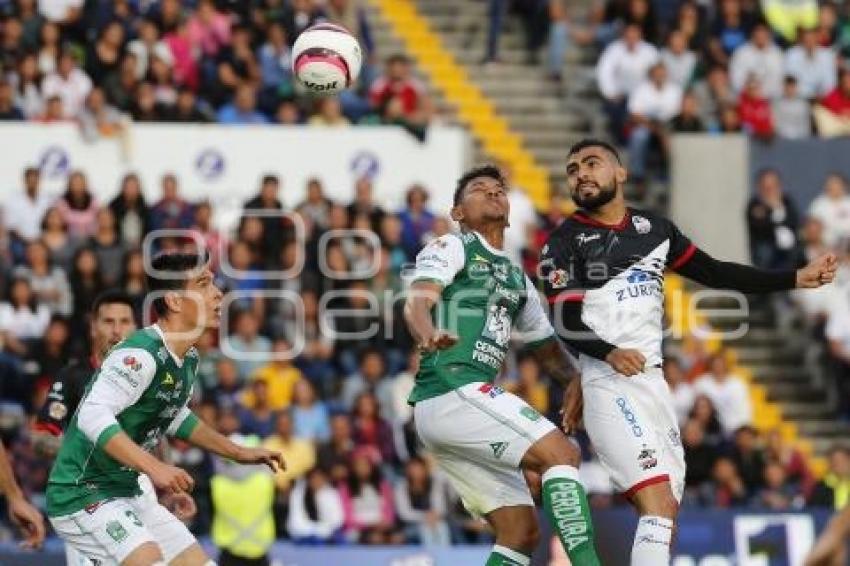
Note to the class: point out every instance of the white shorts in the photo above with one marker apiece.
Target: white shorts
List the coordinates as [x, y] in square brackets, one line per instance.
[479, 434]
[632, 425]
[110, 531]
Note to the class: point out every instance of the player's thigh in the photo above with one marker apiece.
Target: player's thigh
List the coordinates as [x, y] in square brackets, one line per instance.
[170, 533]
[483, 422]
[656, 394]
[192, 556]
[623, 434]
[109, 532]
[483, 487]
[148, 554]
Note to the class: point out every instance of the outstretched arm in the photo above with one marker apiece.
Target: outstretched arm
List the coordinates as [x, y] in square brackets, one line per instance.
[711, 272]
[206, 437]
[22, 513]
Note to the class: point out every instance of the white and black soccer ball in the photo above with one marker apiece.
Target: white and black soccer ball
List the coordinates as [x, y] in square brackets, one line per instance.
[326, 58]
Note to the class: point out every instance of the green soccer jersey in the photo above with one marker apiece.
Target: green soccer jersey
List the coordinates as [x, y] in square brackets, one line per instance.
[141, 389]
[485, 297]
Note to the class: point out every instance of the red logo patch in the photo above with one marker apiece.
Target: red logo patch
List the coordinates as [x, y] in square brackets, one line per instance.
[132, 363]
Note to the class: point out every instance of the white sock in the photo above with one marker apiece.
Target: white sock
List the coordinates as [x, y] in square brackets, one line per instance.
[514, 555]
[652, 541]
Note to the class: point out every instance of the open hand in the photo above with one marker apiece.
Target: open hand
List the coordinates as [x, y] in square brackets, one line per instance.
[29, 520]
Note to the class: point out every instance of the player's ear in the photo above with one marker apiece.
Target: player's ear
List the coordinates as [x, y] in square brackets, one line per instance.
[456, 214]
[173, 301]
[620, 174]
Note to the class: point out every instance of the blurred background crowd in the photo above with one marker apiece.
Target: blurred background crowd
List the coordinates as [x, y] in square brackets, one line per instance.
[338, 409]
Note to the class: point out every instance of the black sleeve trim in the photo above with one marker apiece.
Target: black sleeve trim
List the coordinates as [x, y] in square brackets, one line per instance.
[579, 335]
[704, 269]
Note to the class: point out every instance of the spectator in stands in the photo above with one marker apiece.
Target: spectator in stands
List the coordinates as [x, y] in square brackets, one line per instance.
[103, 57]
[727, 392]
[682, 391]
[243, 109]
[288, 113]
[315, 511]
[335, 454]
[688, 120]
[730, 120]
[370, 377]
[416, 220]
[712, 95]
[62, 12]
[171, 211]
[69, 83]
[726, 489]
[208, 29]
[621, 68]
[755, 111]
[705, 414]
[652, 105]
[49, 48]
[792, 114]
[86, 284]
[832, 115]
[369, 429]
[22, 318]
[256, 414]
[832, 208]
[422, 504]
[275, 60]
[678, 59]
[813, 66]
[786, 17]
[398, 83]
[301, 453]
[310, 417]
[227, 389]
[188, 109]
[529, 385]
[279, 374]
[329, 113]
[773, 223]
[98, 118]
[49, 281]
[519, 235]
[268, 201]
[699, 457]
[130, 211]
[133, 281]
[54, 234]
[316, 206]
[251, 345]
[8, 108]
[729, 31]
[791, 460]
[27, 83]
[760, 58]
[298, 15]
[748, 458]
[367, 502]
[364, 204]
[833, 491]
[78, 206]
[214, 240]
[147, 45]
[316, 361]
[778, 494]
[24, 210]
[145, 107]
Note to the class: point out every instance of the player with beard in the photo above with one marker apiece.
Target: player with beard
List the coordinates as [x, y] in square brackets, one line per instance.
[465, 299]
[603, 271]
[111, 322]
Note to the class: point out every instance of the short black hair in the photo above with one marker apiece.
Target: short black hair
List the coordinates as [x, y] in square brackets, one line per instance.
[488, 170]
[270, 178]
[593, 142]
[112, 297]
[181, 265]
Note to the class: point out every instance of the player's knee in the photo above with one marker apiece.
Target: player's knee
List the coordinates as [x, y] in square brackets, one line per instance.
[560, 452]
[529, 536]
[661, 506]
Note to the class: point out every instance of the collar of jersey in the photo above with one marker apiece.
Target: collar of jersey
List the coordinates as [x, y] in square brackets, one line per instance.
[487, 245]
[620, 226]
[174, 356]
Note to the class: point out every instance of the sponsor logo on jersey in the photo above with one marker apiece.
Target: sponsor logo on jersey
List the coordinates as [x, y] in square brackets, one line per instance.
[530, 414]
[162, 354]
[584, 238]
[498, 448]
[168, 380]
[559, 278]
[638, 276]
[508, 293]
[497, 327]
[488, 354]
[132, 363]
[642, 225]
[629, 415]
[545, 249]
[500, 272]
[169, 412]
[479, 269]
[569, 517]
[57, 410]
[439, 243]
[674, 436]
[90, 509]
[642, 284]
[116, 531]
[492, 390]
[646, 458]
[431, 260]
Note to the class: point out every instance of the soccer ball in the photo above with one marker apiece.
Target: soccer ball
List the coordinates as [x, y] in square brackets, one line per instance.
[326, 58]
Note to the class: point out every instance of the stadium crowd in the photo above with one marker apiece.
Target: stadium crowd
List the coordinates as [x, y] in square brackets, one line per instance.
[104, 64]
[337, 410]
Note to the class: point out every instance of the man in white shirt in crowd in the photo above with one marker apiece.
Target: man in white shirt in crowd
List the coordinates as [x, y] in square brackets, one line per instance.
[679, 60]
[759, 57]
[70, 83]
[813, 66]
[621, 68]
[832, 208]
[61, 11]
[727, 392]
[651, 107]
[792, 114]
[23, 211]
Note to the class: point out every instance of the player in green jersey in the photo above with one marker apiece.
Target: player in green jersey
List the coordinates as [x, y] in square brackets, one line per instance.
[139, 393]
[465, 302]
